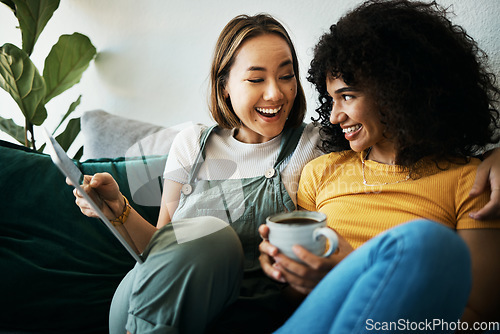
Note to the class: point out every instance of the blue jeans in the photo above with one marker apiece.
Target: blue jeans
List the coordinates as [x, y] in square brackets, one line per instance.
[408, 279]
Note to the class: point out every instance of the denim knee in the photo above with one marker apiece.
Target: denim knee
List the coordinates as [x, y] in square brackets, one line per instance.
[429, 237]
[431, 247]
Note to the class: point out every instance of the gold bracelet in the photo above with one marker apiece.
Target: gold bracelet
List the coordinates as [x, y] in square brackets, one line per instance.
[123, 217]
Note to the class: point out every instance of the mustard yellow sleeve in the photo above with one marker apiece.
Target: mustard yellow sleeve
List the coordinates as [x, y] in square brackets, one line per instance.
[466, 204]
[306, 195]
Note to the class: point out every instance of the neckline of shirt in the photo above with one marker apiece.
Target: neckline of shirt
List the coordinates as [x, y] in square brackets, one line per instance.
[234, 141]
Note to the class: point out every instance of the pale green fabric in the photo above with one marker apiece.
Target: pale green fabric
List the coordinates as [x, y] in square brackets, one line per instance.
[179, 288]
[247, 202]
[186, 282]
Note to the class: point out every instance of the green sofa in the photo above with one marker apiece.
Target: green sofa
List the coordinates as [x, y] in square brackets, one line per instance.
[58, 268]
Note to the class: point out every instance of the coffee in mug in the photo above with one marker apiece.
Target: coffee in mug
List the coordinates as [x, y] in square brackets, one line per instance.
[305, 228]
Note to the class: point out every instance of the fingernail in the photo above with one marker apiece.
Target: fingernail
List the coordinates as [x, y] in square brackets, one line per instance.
[277, 275]
[274, 251]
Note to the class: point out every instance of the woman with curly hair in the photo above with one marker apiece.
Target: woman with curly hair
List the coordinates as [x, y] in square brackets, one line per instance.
[405, 101]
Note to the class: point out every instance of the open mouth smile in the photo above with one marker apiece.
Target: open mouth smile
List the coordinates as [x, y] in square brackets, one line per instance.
[351, 129]
[268, 112]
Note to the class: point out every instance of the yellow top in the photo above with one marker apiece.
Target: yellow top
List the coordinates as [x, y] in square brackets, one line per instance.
[333, 184]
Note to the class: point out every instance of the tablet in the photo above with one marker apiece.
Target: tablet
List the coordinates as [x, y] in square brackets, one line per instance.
[71, 171]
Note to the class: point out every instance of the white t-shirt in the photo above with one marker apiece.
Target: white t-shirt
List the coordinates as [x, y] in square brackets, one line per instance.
[228, 158]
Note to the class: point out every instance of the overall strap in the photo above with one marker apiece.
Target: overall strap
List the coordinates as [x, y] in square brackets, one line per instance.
[201, 154]
[289, 142]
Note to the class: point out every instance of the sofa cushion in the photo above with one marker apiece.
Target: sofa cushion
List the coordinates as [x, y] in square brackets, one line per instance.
[107, 135]
[59, 269]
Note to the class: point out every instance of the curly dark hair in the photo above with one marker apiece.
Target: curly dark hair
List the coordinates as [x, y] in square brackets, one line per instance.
[427, 76]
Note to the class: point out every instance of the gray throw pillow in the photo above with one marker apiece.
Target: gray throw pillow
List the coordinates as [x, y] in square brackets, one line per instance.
[110, 136]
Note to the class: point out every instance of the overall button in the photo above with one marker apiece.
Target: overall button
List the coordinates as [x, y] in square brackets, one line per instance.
[187, 189]
[270, 173]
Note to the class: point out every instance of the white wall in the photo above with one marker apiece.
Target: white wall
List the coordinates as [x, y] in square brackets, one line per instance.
[154, 55]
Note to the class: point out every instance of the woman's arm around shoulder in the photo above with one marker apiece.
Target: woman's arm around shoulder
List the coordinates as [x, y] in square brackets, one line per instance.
[484, 300]
[488, 178]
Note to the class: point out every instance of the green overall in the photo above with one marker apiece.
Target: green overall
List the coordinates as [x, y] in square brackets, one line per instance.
[179, 275]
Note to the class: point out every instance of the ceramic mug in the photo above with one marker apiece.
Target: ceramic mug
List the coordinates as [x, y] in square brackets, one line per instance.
[305, 228]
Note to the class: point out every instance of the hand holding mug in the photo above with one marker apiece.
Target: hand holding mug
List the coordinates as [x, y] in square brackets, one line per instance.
[305, 228]
[305, 275]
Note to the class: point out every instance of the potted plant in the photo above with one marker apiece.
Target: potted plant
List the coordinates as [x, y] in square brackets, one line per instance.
[63, 68]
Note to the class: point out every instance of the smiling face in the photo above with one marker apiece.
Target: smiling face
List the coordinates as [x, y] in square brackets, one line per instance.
[262, 87]
[357, 115]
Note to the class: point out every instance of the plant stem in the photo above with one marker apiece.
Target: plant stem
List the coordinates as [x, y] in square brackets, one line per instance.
[26, 142]
[29, 129]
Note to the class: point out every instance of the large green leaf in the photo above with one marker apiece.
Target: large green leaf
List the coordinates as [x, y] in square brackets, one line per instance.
[40, 115]
[79, 153]
[66, 62]
[10, 3]
[20, 78]
[67, 137]
[33, 15]
[12, 129]
[71, 108]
